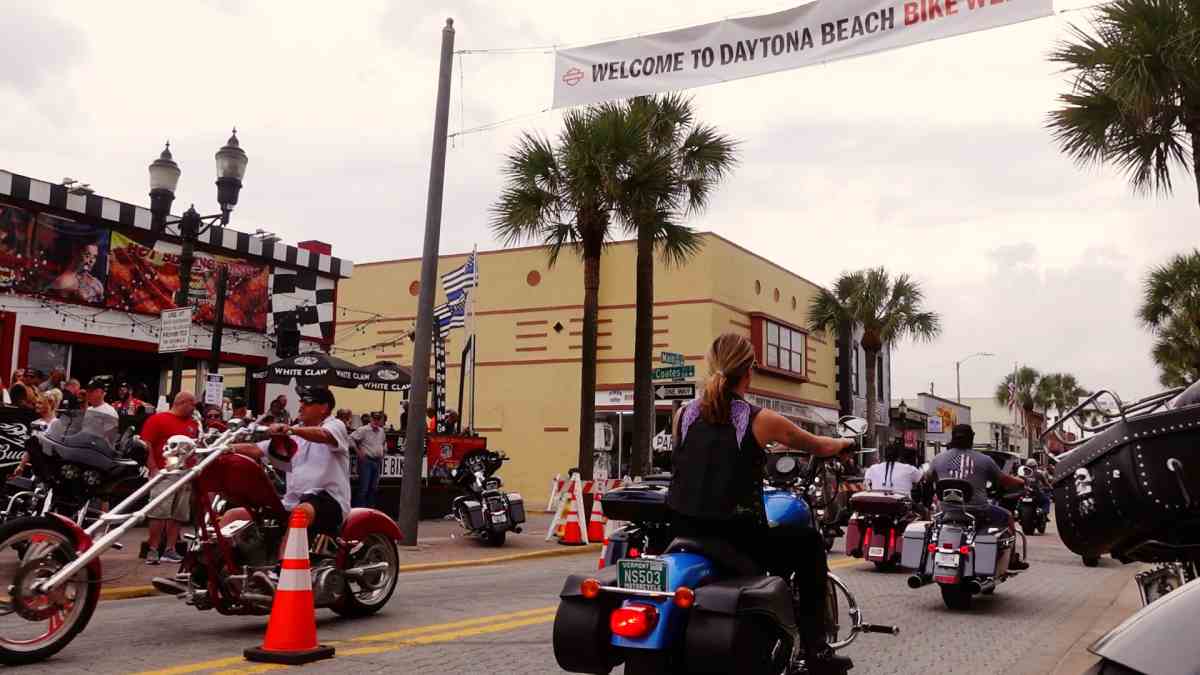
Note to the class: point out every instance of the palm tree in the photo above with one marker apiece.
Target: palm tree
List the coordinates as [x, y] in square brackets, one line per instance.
[1058, 392]
[888, 310]
[1171, 310]
[558, 195]
[1026, 391]
[674, 177]
[1136, 97]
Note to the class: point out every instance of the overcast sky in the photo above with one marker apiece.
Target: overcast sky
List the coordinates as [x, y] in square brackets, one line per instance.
[931, 160]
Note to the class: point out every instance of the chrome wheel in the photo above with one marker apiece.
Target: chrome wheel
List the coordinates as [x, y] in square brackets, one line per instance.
[369, 593]
[35, 624]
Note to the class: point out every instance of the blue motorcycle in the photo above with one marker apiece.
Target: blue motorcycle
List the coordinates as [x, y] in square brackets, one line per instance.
[695, 606]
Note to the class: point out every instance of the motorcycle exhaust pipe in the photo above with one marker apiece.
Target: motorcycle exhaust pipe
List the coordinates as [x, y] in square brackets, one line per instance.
[357, 573]
[975, 587]
[916, 581]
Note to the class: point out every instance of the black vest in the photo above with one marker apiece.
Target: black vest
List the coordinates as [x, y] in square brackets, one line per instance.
[715, 477]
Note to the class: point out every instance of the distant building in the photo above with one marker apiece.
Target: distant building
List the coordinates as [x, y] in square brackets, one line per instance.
[999, 428]
[943, 415]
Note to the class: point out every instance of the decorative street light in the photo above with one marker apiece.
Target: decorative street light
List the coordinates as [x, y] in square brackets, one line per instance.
[957, 368]
[164, 179]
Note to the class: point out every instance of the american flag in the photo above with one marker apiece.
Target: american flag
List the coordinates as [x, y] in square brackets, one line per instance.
[452, 314]
[459, 280]
[1012, 395]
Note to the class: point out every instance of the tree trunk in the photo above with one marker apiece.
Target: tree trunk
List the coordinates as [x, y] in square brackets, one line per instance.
[1195, 133]
[872, 359]
[587, 371]
[643, 355]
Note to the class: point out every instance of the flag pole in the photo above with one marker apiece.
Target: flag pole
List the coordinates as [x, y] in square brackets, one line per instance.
[474, 330]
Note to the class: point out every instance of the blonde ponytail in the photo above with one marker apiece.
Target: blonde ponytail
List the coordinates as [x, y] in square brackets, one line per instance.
[729, 360]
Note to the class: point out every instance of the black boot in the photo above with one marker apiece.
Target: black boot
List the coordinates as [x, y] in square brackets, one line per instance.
[820, 659]
[1016, 564]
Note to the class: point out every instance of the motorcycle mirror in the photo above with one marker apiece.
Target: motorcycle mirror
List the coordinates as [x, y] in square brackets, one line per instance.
[852, 427]
[1024, 472]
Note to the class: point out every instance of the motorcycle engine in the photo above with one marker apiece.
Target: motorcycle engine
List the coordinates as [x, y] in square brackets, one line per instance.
[328, 585]
[248, 540]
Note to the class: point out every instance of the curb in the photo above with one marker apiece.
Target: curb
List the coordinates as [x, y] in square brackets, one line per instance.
[131, 592]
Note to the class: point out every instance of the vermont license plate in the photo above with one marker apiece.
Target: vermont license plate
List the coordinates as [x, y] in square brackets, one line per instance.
[642, 575]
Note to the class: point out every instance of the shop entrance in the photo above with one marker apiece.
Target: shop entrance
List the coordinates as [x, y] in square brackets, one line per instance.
[614, 441]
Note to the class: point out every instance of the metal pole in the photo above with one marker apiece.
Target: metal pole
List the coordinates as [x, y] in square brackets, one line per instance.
[414, 442]
[188, 230]
[214, 361]
[958, 381]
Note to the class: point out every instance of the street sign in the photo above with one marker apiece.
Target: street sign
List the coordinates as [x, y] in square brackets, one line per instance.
[673, 373]
[175, 330]
[671, 358]
[675, 392]
[214, 389]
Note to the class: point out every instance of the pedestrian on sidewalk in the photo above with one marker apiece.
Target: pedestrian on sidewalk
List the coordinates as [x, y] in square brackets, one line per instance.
[166, 518]
[369, 441]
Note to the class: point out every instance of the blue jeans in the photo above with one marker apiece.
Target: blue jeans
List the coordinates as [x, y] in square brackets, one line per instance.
[369, 470]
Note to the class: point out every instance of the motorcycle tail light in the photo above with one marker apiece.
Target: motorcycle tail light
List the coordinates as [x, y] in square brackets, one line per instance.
[633, 621]
[932, 548]
[589, 589]
[964, 549]
[684, 597]
[634, 553]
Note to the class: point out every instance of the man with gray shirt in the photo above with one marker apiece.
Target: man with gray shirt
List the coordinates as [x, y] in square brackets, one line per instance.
[961, 462]
[370, 443]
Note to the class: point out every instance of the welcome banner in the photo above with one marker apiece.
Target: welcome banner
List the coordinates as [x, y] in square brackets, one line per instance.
[817, 32]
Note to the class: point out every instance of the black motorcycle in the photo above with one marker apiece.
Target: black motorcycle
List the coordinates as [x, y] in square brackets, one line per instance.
[1131, 489]
[484, 510]
[1030, 512]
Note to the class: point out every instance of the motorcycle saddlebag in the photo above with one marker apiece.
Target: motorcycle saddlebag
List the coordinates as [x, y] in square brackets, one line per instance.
[474, 514]
[913, 546]
[735, 625]
[638, 503]
[516, 508]
[1135, 482]
[985, 553]
[880, 503]
[854, 538]
[582, 637]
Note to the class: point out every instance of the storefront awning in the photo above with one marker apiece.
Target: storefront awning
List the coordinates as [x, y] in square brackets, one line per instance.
[797, 412]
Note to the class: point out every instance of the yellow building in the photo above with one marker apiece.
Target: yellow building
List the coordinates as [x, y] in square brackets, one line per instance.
[529, 320]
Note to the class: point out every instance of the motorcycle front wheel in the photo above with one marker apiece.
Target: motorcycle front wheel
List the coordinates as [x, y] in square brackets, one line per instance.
[35, 626]
[369, 594]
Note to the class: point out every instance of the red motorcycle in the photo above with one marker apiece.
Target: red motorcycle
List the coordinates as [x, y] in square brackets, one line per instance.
[51, 567]
[876, 530]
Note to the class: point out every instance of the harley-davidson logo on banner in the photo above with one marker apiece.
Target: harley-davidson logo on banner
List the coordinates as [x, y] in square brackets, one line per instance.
[817, 32]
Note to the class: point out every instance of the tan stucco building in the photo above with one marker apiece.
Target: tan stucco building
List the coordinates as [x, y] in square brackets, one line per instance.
[528, 322]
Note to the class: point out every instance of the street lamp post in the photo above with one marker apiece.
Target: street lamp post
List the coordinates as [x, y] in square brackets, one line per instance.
[164, 179]
[958, 371]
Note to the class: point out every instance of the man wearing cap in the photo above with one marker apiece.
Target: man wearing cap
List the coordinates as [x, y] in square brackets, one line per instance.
[315, 455]
[369, 442]
[100, 418]
[961, 462]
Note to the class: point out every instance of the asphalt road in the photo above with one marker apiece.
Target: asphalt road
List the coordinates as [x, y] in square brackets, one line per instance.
[497, 619]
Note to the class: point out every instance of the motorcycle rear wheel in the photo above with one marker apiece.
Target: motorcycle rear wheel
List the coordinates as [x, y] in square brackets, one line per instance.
[956, 597]
[363, 598]
[493, 537]
[32, 549]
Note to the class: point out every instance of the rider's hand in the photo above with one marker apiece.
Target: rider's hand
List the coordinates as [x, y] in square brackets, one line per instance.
[278, 429]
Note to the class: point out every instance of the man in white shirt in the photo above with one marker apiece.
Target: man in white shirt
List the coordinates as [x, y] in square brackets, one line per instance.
[315, 455]
[892, 474]
[100, 418]
[370, 442]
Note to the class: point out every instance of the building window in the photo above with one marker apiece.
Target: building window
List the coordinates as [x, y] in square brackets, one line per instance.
[46, 356]
[780, 347]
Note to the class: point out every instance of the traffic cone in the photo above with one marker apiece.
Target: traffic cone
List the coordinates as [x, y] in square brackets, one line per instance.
[596, 522]
[603, 554]
[292, 630]
[571, 534]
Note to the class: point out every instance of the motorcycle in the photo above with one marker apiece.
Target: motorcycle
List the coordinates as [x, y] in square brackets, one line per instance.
[1030, 512]
[877, 526]
[951, 550]
[485, 511]
[51, 566]
[1129, 489]
[696, 605]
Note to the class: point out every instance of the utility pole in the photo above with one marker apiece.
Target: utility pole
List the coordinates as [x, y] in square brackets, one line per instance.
[189, 229]
[414, 442]
[214, 362]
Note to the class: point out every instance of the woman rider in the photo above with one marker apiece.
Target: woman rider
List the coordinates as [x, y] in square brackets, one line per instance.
[716, 487]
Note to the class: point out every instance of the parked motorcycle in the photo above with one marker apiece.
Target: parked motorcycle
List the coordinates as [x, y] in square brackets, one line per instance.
[1032, 515]
[877, 526]
[1130, 489]
[698, 606]
[485, 511]
[963, 559]
[51, 567]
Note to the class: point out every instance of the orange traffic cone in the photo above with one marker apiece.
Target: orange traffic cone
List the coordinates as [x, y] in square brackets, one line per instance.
[571, 534]
[596, 523]
[292, 630]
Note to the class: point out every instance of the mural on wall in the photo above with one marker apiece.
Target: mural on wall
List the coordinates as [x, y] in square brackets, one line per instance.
[145, 279]
[54, 257]
[948, 415]
[16, 228]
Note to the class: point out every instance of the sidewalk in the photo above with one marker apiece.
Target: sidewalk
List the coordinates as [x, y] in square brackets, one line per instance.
[441, 543]
[1126, 604]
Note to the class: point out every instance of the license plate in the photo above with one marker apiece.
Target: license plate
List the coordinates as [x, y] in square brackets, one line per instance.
[946, 559]
[875, 552]
[499, 518]
[642, 575]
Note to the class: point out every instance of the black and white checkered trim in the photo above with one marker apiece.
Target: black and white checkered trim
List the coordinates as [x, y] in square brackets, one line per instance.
[128, 215]
[310, 295]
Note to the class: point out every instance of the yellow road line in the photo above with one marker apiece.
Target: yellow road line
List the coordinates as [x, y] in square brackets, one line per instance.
[393, 635]
[447, 637]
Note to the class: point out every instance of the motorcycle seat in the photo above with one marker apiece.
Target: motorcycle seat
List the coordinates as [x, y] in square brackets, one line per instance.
[720, 551]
